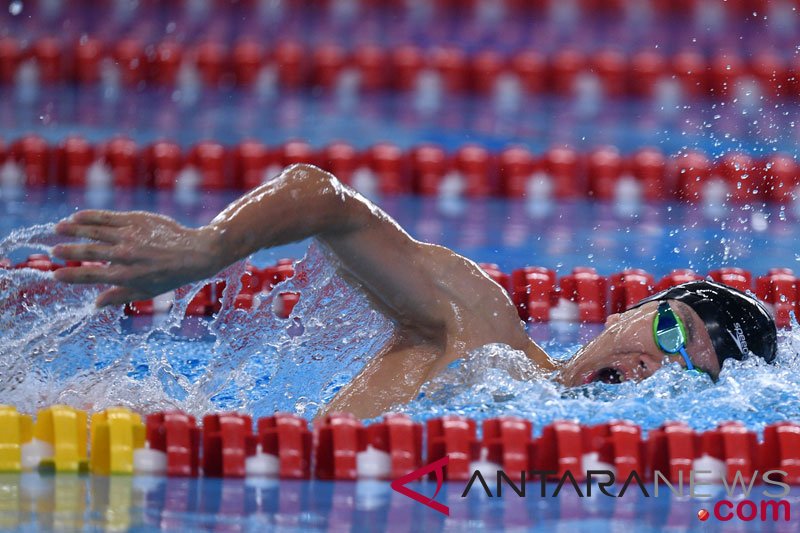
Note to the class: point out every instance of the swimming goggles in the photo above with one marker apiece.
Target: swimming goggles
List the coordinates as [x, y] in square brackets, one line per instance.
[670, 333]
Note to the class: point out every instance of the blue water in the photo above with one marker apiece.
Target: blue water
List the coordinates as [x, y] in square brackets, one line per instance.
[54, 347]
[68, 503]
[62, 350]
[759, 127]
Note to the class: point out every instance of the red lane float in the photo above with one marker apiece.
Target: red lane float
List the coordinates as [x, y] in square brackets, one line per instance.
[676, 277]
[507, 443]
[497, 275]
[429, 164]
[619, 75]
[227, 438]
[586, 288]
[121, 155]
[212, 62]
[452, 436]
[560, 449]
[343, 448]
[671, 450]
[209, 159]
[781, 177]
[604, 168]
[340, 159]
[32, 154]
[515, 167]
[390, 166]
[287, 437]
[371, 64]
[738, 278]
[563, 166]
[736, 447]
[649, 167]
[472, 171]
[176, 434]
[251, 159]
[619, 444]
[247, 59]
[163, 161]
[336, 446]
[629, 287]
[780, 450]
[47, 52]
[130, 59]
[87, 55]
[10, 56]
[398, 438]
[73, 157]
[534, 293]
[474, 165]
[165, 60]
[778, 289]
[723, 76]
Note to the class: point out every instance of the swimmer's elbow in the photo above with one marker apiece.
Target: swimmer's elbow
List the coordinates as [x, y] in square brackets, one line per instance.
[314, 178]
[319, 184]
[340, 206]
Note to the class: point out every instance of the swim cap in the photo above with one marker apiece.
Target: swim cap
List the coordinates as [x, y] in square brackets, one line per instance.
[738, 324]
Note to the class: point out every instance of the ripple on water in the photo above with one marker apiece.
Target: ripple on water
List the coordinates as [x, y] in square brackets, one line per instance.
[56, 347]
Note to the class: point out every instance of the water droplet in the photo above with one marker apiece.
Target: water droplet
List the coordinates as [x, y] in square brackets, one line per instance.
[15, 7]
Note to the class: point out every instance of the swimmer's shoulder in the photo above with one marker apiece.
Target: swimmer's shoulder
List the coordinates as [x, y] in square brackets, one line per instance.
[481, 311]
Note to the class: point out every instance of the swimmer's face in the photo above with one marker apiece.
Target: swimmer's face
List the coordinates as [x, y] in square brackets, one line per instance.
[626, 349]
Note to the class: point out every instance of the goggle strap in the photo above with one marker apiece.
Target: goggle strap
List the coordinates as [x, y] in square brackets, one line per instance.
[689, 365]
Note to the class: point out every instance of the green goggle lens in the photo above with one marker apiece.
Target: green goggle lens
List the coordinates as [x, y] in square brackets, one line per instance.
[670, 334]
[670, 340]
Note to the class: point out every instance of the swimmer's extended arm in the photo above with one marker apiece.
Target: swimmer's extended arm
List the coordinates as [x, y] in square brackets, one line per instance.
[425, 287]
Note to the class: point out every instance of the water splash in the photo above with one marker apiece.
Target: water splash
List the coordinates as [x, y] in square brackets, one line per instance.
[56, 347]
[41, 237]
[492, 381]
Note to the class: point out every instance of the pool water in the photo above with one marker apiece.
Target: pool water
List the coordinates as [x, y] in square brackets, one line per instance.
[56, 348]
[64, 351]
[257, 363]
[70, 503]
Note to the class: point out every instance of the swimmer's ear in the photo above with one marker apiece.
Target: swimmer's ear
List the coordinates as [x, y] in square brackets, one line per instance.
[119, 296]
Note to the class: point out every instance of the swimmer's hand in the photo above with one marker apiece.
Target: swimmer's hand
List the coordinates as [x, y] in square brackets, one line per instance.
[145, 254]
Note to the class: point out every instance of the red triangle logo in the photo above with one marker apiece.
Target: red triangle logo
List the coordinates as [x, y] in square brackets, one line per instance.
[399, 485]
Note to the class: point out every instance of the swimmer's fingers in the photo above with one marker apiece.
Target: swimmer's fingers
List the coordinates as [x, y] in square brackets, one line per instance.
[119, 296]
[92, 252]
[112, 275]
[110, 235]
[99, 217]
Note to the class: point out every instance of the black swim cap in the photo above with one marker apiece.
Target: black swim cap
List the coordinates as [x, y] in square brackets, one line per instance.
[738, 324]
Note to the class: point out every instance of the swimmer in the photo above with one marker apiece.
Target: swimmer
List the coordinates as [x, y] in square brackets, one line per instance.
[443, 305]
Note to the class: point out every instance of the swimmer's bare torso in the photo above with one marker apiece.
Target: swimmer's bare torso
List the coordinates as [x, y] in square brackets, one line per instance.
[444, 305]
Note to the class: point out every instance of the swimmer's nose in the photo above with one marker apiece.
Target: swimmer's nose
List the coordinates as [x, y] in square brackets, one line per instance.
[648, 365]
